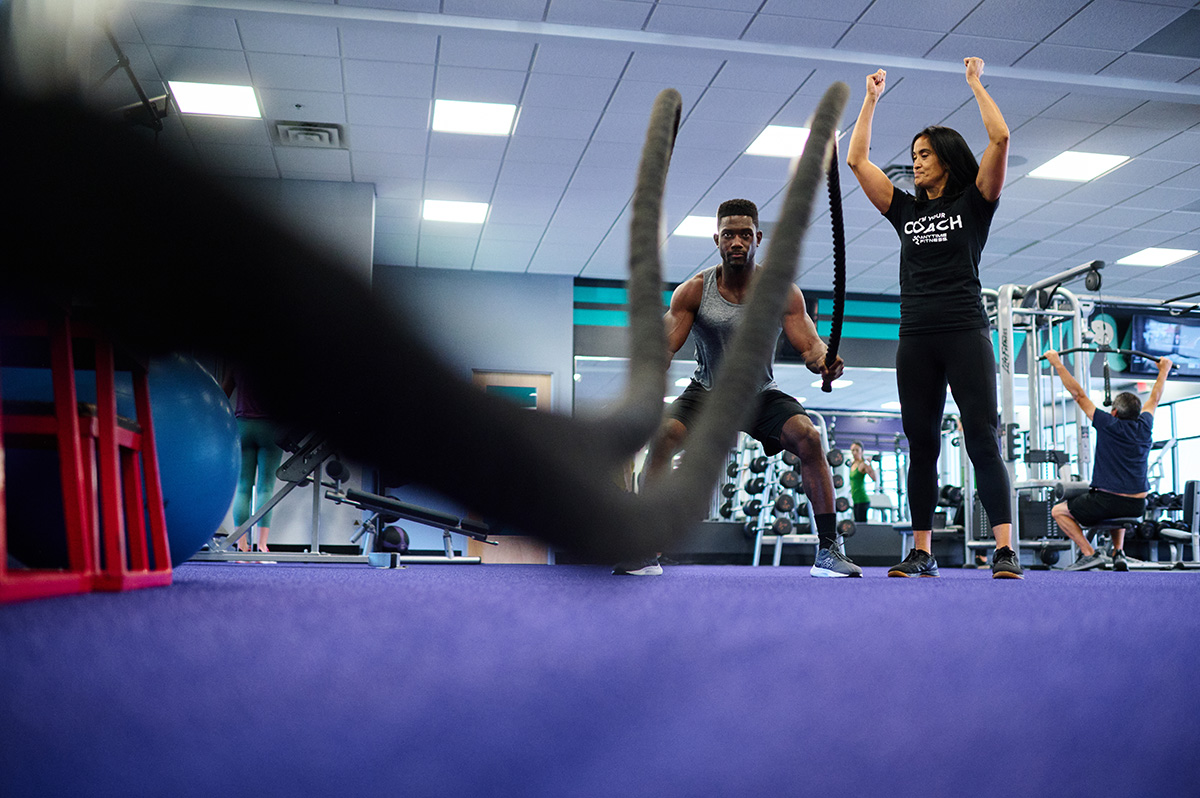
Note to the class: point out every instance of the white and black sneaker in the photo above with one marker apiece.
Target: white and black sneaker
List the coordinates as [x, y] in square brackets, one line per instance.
[646, 567]
[832, 563]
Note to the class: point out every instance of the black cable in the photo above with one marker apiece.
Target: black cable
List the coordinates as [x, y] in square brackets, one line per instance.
[839, 264]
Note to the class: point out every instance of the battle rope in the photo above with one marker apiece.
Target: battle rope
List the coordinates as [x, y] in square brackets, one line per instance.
[839, 265]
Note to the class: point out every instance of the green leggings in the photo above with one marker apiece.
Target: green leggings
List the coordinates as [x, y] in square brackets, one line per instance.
[260, 461]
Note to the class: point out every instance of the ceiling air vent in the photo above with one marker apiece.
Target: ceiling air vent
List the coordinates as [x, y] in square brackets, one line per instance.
[901, 176]
[310, 134]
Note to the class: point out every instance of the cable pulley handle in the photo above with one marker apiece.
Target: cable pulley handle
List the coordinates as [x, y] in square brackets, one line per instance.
[833, 181]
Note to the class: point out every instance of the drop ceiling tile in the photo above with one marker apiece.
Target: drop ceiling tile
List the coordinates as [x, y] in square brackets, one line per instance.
[1174, 222]
[1182, 148]
[1029, 20]
[629, 128]
[537, 120]
[798, 31]
[1164, 115]
[1124, 140]
[1189, 180]
[388, 111]
[524, 149]
[739, 107]
[399, 187]
[465, 170]
[1151, 67]
[674, 68]
[388, 79]
[574, 93]
[845, 11]
[201, 65]
[274, 35]
[496, 9]
[524, 233]
[503, 256]
[373, 165]
[929, 15]
[881, 39]
[399, 140]
[603, 13]
[186, 27]
[238, 159]
[1113, 24]
[557, 57]
[226, 130]
[1066, 58]
[993, 51]
[303, 106]
[484, 50]
[306, 73]
[695, 21]
[463, 145]
[478, 85]
[376, 42]
[1084, 107]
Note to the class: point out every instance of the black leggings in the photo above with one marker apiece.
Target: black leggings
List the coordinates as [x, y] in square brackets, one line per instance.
[924, 365]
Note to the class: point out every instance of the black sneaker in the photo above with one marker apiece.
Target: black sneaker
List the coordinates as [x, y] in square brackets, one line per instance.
[1005, 565]
[646, 567]
[1119, 563]
[917, 563]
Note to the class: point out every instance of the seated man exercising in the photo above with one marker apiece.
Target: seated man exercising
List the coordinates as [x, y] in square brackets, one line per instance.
[1119, 483]
[710, 305]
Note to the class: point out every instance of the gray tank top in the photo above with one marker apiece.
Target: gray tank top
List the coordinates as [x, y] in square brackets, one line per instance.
[712, 331]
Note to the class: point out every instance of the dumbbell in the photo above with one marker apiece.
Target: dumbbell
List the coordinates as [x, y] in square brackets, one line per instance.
[752, 507]
[785, 504]
[726, 509]
[783, 526]
[846, 528]
[838, 481]
[835, 457]
[842, 504]
[790, 459]
[755, 485]
[790, 479]
[760, 464]
[729, 490]
[1152, 500]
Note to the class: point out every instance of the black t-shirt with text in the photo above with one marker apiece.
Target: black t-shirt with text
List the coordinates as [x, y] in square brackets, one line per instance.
[941, 241]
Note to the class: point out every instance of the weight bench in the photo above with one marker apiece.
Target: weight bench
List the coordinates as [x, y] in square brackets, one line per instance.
[386, 507]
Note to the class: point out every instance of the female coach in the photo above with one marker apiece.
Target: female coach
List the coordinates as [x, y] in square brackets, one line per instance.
[944, 332]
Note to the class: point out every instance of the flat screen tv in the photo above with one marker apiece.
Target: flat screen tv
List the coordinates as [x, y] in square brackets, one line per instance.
[1177, 337]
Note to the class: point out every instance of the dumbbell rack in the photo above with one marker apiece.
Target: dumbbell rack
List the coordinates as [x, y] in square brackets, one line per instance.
[1188, 533]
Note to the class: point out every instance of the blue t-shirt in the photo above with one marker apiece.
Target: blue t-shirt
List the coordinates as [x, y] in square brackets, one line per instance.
[1122, 448]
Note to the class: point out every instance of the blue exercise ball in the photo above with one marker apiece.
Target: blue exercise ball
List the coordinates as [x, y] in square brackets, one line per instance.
[199, 456]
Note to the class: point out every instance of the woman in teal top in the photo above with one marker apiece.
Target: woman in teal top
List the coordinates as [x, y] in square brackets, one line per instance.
[860, 469]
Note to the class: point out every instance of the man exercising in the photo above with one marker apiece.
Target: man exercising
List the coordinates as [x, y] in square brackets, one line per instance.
[710, 305]
[1119, 483]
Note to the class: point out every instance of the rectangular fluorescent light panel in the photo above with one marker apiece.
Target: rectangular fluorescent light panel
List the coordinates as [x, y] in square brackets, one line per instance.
[453, 211]
[480, 119]
[697, 227]
[1156, 256]
[215, 99]
[1079, 167]
[779, 141]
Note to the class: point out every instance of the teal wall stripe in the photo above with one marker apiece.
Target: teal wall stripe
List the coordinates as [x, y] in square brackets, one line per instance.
[601, 295]
[872, 310]
[869, 330]
[586, 317]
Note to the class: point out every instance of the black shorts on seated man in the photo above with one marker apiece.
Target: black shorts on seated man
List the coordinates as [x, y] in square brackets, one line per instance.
[709, 306]
[1119, 483]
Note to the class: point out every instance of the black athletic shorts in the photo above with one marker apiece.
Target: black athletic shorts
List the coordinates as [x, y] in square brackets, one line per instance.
[774, 409]
[1099, 505]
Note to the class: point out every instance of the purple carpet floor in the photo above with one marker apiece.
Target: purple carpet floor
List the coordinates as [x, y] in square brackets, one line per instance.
[565, 681]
